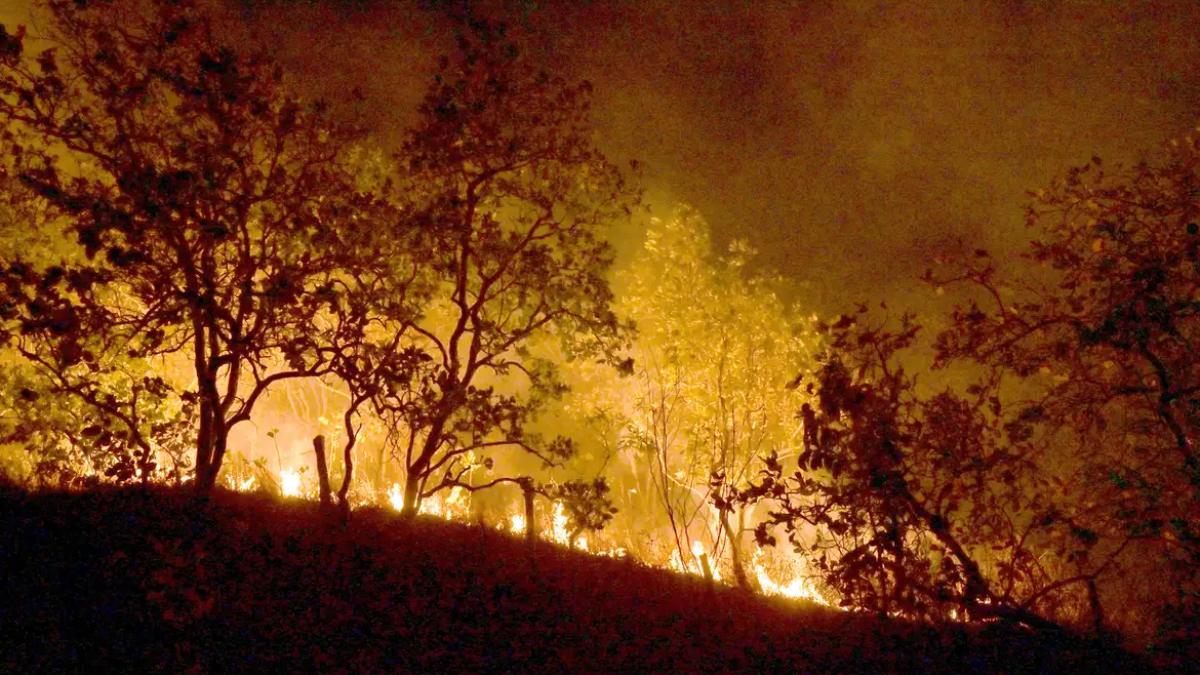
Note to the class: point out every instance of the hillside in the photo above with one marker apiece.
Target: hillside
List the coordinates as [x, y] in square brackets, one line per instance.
[162, 581]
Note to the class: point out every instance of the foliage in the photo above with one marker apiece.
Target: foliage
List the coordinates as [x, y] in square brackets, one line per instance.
[1104, 341]
[209, 207]
[706, 395]
[511, 200]
[1061, 486]
[586, 504]
[909, 504]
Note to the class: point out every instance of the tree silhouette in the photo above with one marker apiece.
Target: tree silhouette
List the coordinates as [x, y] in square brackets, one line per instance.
[1103, 339]
[908, 503]
[211, 209]
[510, 199]
[1061, 486]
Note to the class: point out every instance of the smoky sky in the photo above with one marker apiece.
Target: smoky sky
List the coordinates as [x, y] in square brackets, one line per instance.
[847, 141]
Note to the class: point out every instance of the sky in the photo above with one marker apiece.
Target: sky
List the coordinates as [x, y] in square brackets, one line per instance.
[848, 141]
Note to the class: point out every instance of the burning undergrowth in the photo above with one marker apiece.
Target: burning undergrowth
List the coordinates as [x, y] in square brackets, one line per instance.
[554, 524]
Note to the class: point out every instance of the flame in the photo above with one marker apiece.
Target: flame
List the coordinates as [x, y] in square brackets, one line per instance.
[694, 566]
[800, 587]
[289, 483]
[558, 528]
[700, 553]
[448, 506]
[454, 505]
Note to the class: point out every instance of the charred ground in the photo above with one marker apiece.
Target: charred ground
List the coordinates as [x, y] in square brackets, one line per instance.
[158, 580]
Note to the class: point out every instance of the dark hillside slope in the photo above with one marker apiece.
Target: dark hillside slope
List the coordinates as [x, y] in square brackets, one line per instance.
[162, 581]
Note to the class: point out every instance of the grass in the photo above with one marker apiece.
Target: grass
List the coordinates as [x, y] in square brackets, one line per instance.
[135, 580]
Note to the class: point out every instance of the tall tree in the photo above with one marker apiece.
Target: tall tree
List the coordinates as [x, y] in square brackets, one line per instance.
[1062, 485]
[512, 200]
[1103, 338]
[908, 503]
[707, 395]
[210, 206]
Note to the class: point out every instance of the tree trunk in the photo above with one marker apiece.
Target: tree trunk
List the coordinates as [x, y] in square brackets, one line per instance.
[204, 481]
[322, 471]
[742, 579]
[347, 477]
[412, 491]
[416, 470]
[530, 519]
[210, 453]
[220, 444]
[207, 470]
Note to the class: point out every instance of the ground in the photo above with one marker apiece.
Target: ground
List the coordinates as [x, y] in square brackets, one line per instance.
[136, 580]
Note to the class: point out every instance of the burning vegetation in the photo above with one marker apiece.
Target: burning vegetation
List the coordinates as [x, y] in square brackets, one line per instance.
[192, 254]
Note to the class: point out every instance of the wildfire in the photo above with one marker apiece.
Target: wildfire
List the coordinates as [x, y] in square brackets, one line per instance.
[800, 587]
[451, 506]
[696, 564]
[704, 562]
[560, 533]
[289, 483]
[454, 504]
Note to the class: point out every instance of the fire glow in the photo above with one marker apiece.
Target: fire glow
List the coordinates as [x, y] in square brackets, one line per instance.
[455, 506]
[289, 483]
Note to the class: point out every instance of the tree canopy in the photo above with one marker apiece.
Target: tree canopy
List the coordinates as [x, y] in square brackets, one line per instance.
[211, 209]
[512, 200]
[708, 392]
[213, 236]
[1061, 486]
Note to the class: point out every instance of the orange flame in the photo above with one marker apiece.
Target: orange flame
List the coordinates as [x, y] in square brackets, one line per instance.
[289, 483]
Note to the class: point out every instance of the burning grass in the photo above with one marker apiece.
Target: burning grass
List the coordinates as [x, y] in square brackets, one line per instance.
[164, 581]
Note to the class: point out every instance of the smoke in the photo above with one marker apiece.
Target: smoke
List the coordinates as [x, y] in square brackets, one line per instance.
[845, 140]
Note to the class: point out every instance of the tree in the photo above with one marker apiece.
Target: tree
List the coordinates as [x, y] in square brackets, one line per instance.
[1104, 342]
[511, 200]
[911, 504]
[63, 440]
[1061, 486]
[706, 396]
[210, 207]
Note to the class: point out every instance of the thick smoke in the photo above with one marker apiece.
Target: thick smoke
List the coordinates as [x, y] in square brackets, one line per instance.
[845, 140]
